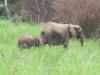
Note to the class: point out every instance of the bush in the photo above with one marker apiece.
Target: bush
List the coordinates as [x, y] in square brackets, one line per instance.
[83, 12]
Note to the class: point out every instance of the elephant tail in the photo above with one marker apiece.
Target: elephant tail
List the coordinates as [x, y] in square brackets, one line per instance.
[42, 32]
[43, 36]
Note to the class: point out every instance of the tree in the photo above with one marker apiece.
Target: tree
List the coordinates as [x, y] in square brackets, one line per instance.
[6, 8]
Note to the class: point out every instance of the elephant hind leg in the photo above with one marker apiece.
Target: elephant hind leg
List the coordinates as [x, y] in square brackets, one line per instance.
[42, 41]
[65, 44]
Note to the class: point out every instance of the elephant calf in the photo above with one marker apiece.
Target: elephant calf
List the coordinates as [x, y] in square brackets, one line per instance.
[26, 41]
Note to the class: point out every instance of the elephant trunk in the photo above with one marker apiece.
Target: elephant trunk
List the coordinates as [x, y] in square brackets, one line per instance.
[82, 38]
[37, 42]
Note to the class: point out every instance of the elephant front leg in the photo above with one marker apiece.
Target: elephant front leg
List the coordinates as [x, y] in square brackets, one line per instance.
[66, 42]
[82, 39]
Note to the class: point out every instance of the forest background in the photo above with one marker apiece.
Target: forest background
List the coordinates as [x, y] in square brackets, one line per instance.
[86, 13]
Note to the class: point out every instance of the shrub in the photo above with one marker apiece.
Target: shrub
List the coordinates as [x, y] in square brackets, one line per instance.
[83, 12]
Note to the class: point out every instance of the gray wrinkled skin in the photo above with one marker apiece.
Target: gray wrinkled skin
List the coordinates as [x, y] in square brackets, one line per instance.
[26, 41]
[56, 34]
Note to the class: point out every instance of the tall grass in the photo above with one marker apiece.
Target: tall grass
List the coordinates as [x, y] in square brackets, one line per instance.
[75, 60]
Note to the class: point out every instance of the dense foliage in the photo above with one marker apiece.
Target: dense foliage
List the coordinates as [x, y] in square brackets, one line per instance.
[83, 12]
[86, 13]
[2, 11]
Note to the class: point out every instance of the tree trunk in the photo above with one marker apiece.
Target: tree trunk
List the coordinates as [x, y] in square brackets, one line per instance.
[6, 8]
[38, 17]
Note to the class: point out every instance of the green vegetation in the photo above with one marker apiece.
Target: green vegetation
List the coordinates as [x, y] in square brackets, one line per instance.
[3, 14]
[53, 60]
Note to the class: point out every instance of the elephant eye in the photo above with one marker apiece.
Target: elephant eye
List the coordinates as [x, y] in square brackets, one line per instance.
[78, 29]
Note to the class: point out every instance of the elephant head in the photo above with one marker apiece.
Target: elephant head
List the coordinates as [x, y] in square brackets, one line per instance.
[36, 41]
[76, 31]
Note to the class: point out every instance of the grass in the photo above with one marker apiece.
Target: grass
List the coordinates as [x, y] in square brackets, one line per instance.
[76, 60]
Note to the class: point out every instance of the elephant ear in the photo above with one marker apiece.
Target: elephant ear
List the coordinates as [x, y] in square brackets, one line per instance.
[78, 28]
[73, 31]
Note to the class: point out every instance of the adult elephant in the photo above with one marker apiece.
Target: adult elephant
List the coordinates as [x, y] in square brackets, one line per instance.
[26, 41]
[56, 34]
